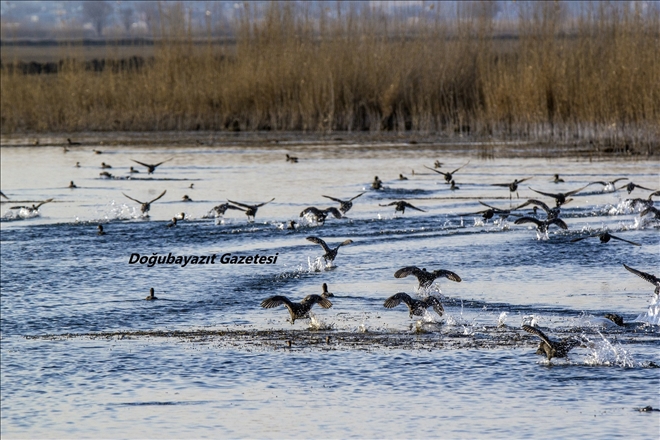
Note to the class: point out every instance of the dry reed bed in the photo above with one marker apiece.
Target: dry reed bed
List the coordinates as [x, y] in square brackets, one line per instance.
[595, 77]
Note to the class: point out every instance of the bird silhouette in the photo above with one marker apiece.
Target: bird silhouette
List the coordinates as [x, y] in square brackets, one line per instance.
[604, 238]
[448, 176]
[145, 206]
[646, 277]
[513, 186]
[151, 168]
[415, 306]
[344, 205]
[296, 310]
[401, 205]
[552, 349]
[330, 254]
[560, 198]
[251, 210]
[425, 277]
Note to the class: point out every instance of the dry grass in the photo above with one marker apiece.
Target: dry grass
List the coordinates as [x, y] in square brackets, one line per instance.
[597, 76]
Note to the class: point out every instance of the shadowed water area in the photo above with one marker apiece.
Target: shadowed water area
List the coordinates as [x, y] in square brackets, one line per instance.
[85, 355]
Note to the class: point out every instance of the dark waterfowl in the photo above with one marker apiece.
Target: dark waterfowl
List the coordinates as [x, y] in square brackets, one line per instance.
[319, 215]
[557, 179]
[630, 187]
[552, 349]
[291, 225]
[617, 319]
[453, 186]
[646, 277]
[106, 174]
[185, 198]
[77, 165]
[604, 238]
[221, 209]
[450, 175]
[492, 211]
[292, 159]
[415, 306]
[296, 310]
[344, 205]
[325, 293]
[651, 210]
[33, 208]
[191, 186]
[105, 166]
[437, 164]
[72, 143]
[172, 223]
[377, 183]
[72, 185]
[401, 205]
[425, 277]
[251, 210]
[560, 198]
[646, 203]
[97, 151]
[330, 254]
[551, 213]
[402, 177]
[100, 230]
[542, 225]
[609, 183]
[513, 186]
[145, 206]
[151, 168]
[133, 170]
[151, 296]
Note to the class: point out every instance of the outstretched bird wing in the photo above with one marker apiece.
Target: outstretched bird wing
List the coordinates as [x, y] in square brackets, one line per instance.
[239, 204]
[264, 203]
[522, 220]
[319, 241]
[537, 332]
[345, 242]
[439, 172]
[45, 201]
[459, 167]
[447, 274]
[396, 299]
[355, 197]
[160, 163]
[408, 205]
[161, 195]
[559, 222]
[570, 193]
[275, 301]
[135, 200]
[337, 200]
[645, 276]
[554, 196]
[334, 211]
[535, 202]
[436, 304]
[314, 299]
[142, 163]
[622, 239]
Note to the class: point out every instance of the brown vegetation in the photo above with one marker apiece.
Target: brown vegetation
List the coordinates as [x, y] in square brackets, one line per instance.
[597, 76]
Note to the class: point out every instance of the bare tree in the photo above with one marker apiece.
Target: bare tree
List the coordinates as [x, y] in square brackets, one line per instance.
[98, 13]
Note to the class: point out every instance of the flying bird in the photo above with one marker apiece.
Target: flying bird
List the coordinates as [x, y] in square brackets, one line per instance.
[296, 310]
[401, 205]
[344, 205]
[145, 206]
[251, 210]
[330, 254]
[219, 210]
[646, 277]
[542, 225]
[557, 349]
[319, 215]
[415, 306]
[513, 186]
[604, 238]
[151, 168]
[33, 208]
[560, 198]
[424, 277]
[630, 187]
[448, 176]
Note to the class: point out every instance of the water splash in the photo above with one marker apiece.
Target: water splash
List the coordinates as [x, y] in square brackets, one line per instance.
[317, 265]
[318, 324]
[501, 320]
[606, 353]
[652, 315]
[531, 320]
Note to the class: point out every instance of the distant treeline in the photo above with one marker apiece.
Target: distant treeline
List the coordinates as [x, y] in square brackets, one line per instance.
[593, 78]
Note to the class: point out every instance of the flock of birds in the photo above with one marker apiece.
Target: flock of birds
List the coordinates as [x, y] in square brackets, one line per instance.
[417, 307]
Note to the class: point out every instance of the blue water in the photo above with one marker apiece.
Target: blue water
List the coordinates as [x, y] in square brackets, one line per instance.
[84, 355]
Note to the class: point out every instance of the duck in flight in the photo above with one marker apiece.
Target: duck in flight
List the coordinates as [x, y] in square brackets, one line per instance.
[608, 184]
[425, 277]
[542, 225]
[330, 254]
[251, 210]
[151, 296]
[415, 306]
[552, 349]
[151, 168]
[401, 205]
[513, 186]
[604, 238]
[296, 310]
[319, 215]
[560, 198]
[145, 206]
[344, 205]
[34, 208]
[489, 213]
[219, 210]
[646, 277]
[630, 187]
[448, 176]
[551, 213]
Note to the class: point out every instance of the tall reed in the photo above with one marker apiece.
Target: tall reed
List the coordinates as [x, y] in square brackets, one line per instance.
[545, 75]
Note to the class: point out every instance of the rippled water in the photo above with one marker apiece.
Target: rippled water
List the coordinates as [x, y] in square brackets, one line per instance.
[83, 355]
